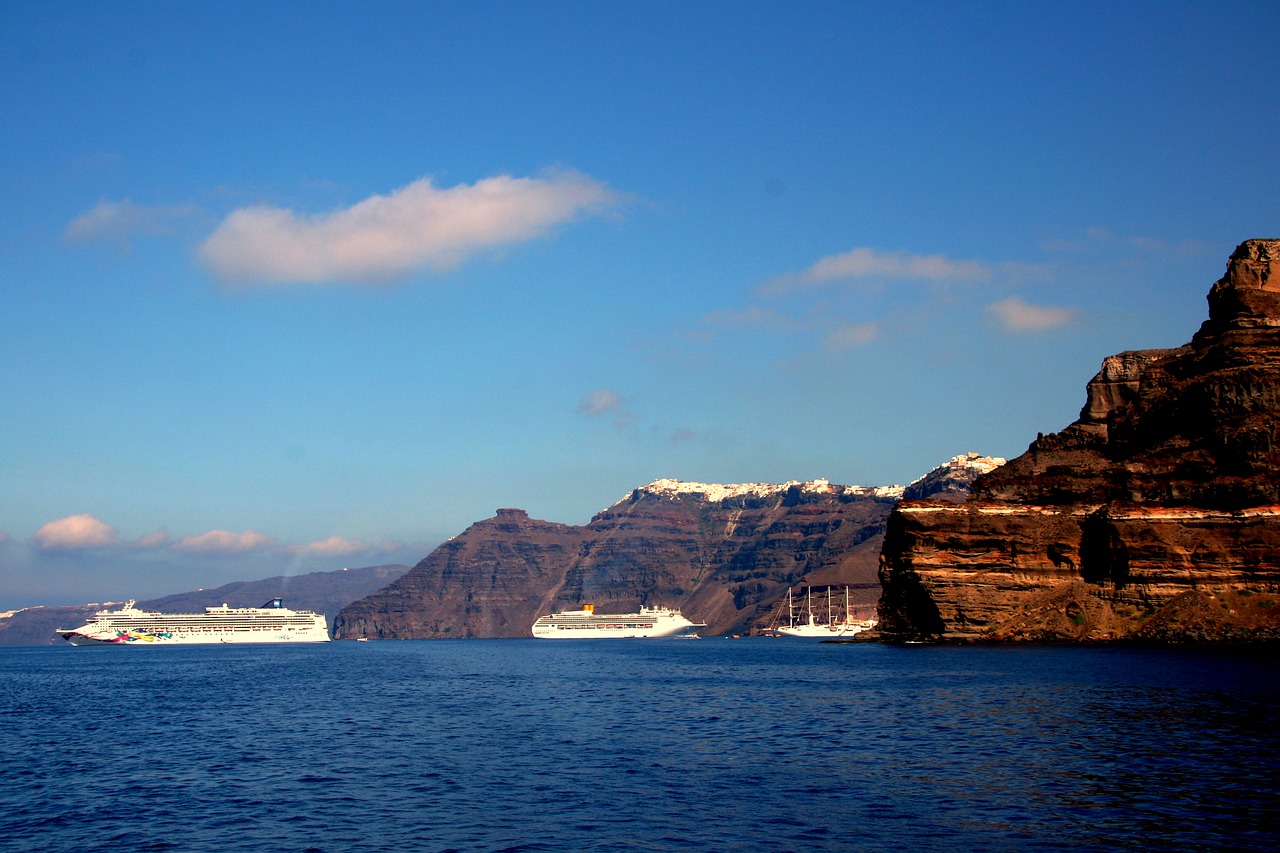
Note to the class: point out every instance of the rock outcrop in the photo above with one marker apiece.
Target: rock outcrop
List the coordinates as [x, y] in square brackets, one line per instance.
[1155, 516]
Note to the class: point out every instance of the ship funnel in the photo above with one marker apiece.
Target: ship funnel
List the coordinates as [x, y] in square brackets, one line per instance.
[590, 608]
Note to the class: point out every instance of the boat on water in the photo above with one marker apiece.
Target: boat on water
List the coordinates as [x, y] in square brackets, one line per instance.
[823, 630]
[849, 626]
[270, 623]
[586, 624]
[809, 628]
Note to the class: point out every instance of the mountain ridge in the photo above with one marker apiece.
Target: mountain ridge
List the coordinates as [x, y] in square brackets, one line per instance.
[723, 553]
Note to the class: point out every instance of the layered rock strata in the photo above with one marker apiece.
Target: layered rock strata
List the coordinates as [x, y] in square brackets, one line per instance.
[1156, 515]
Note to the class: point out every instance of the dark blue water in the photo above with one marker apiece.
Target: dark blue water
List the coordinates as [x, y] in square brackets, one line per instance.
[712, 745]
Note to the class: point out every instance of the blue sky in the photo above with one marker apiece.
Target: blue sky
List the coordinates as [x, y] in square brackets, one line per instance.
[293, 286]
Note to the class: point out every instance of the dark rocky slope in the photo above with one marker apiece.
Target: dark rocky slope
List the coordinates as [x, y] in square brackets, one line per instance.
[725, 555]
[1156, 515]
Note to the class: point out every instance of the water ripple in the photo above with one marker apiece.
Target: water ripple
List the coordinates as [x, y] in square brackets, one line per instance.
[640, 746]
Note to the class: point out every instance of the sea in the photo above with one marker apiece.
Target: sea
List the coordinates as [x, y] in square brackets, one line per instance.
[637, 745]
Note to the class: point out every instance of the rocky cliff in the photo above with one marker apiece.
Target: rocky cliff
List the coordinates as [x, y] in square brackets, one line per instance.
[1156, 515]
[724, 554]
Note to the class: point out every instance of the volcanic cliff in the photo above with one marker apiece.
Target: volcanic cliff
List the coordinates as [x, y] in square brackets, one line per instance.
[724, 554]
[1155, 516]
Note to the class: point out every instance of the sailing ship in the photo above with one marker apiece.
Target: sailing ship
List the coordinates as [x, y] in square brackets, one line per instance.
[846, 627]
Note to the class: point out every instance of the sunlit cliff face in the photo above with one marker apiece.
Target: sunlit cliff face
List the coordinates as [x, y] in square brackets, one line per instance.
[1167, 489]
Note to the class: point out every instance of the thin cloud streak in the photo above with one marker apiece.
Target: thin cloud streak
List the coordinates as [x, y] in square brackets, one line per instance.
[868, 263]
[225, 542]
[852, 335]
[334, 546]
[119, 220]
[419, 226]
[1017, 315]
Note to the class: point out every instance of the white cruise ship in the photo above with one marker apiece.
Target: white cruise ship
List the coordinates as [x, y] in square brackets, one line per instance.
[586, 624]
[270, 623]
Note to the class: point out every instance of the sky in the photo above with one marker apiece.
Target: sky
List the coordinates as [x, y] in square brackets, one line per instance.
[290, 287]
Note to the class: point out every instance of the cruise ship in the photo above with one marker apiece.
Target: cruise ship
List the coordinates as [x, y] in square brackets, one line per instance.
[270, 623]
[586, 624]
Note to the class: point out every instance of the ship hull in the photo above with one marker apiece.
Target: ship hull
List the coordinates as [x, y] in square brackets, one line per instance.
[146, 638]
[824, 631]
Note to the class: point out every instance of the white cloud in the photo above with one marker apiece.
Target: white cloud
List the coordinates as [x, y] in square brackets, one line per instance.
[383, 237]
[868, 263]
[850, 335]
[75, 533]
[225, 542]
[1020, 316]
[334, 546]
[119, 220]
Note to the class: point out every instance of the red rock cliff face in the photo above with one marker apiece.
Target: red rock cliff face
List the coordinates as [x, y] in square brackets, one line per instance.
[1156, 515]
[724, 555]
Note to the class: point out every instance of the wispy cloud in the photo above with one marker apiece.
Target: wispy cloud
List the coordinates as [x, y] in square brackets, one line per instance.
[752, 316]
[867, 263]
[75, 533]
[419, 226]
[1017, 315]
[851, 335]
[1102, 240]
[117, 221]
[334, 546]
[607, 403]
[225, 542]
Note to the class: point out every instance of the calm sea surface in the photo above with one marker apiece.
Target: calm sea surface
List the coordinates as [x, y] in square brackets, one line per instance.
[710, 745]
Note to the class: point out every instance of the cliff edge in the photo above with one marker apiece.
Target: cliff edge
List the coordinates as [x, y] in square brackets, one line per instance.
[1154, 516]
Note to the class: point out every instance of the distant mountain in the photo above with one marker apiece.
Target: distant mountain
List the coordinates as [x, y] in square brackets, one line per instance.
[724, 554]
[323, 592]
